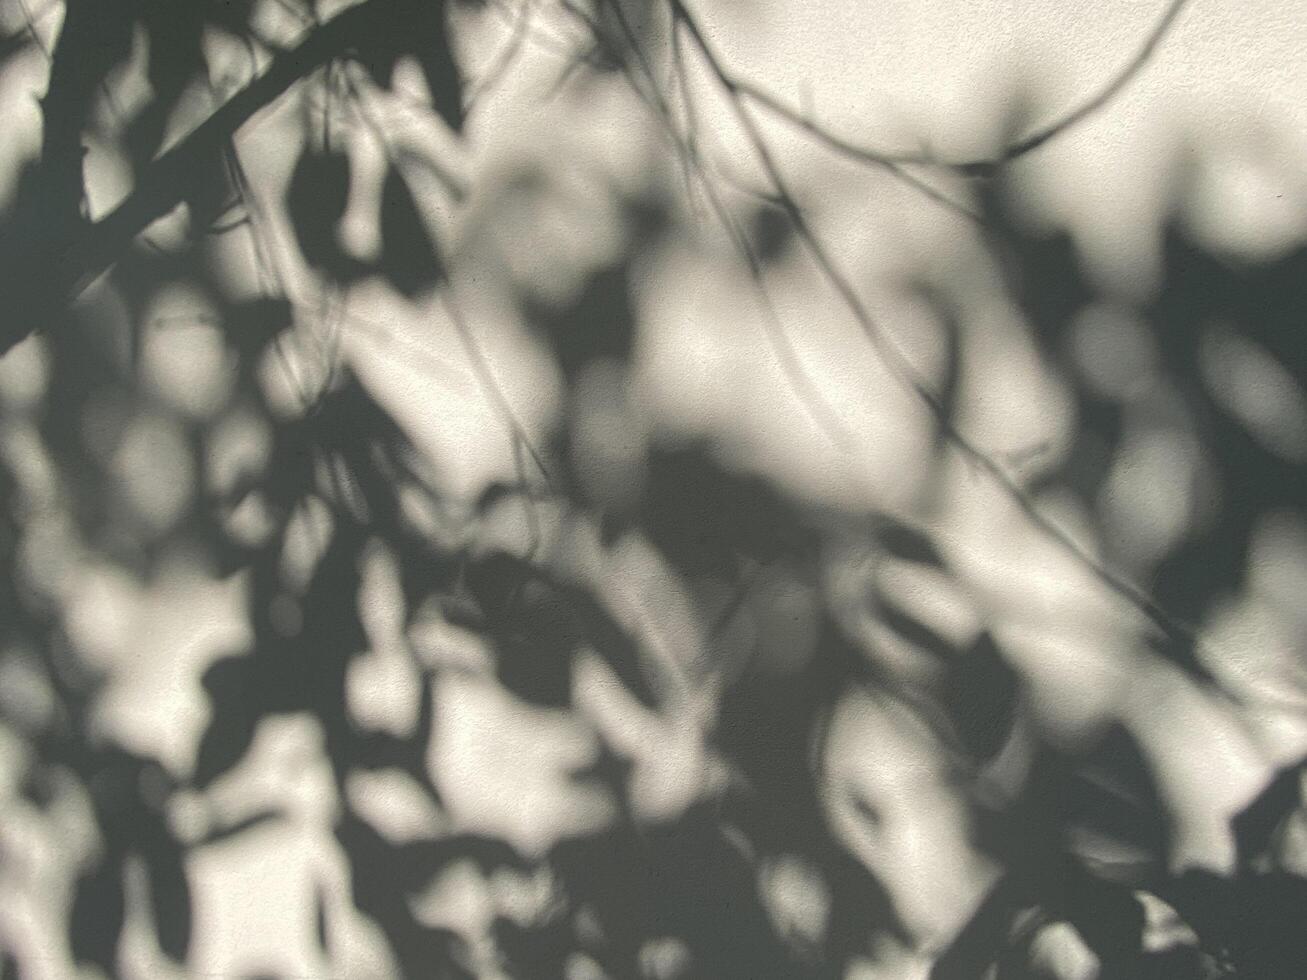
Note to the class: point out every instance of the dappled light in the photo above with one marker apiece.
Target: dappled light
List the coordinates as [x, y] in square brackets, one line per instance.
[605, 489]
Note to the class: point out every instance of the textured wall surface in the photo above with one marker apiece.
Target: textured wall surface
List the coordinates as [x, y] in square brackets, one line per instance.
[640, 489]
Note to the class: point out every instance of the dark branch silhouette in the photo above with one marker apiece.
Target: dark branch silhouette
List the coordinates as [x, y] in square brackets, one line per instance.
[76, 256]
[896, 160]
